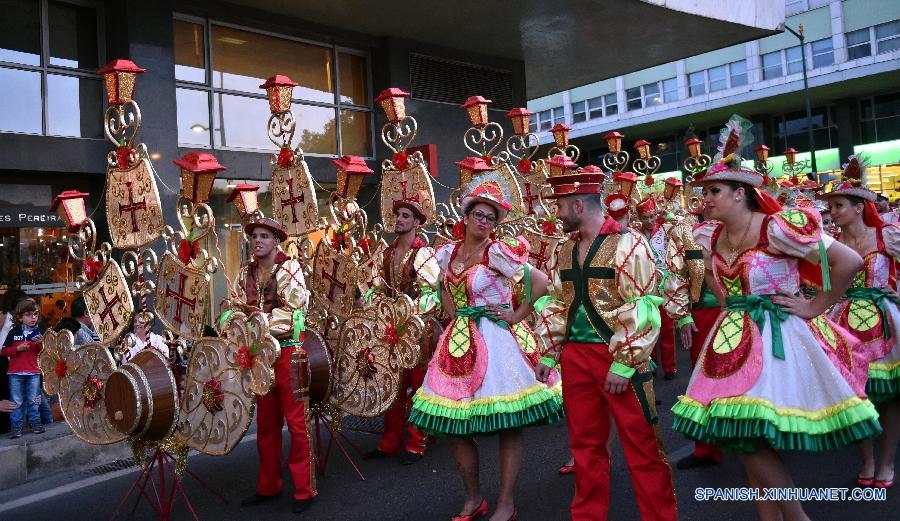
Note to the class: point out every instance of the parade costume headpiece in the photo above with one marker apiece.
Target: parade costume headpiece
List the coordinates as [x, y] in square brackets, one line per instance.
[853, 183]
[566, 180]
[616, 205]
[488, 189]
[647, 206]
[268, 223]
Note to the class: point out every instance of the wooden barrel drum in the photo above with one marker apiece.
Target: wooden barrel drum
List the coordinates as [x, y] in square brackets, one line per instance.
[318, 367]
[141, 397]
[430, 337]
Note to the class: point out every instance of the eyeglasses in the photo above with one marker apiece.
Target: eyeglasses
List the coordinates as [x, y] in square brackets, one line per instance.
[483, 217]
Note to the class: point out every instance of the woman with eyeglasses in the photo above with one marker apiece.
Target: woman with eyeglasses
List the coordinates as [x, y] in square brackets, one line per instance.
[479, 381]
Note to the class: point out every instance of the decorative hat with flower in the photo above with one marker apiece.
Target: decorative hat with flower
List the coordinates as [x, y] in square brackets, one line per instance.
[490, 188]
[853, 180]
[727, 162]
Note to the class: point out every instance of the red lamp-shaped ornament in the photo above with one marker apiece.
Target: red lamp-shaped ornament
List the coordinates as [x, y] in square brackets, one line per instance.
[119, 76]
[791, 155]
[671, 188]
[560, 133]
[561, 164]
[279, 89]
[198, 172]
[762, 153]
[71, 207]
[471, 166]
[626, 180]
[593, 169]
[693, 146]
[614, 141]
[393, 103]
[520, 118]
[244, 197]
[643, 148]
[351, 170]
[476, 108]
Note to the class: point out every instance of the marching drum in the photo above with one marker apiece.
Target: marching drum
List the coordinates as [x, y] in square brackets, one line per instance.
[141, 397]
[316, 375]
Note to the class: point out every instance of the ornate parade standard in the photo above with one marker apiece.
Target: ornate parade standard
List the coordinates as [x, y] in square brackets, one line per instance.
[160, 404]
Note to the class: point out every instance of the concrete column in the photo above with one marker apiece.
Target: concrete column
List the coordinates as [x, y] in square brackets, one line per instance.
[837, 32]
[567, 106]
[620, 95]
[846, 118]
[682, 80]
[754, 65]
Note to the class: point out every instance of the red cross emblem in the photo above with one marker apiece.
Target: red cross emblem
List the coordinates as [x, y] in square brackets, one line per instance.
[332, 278]
[107, 311]
[404, 195]
[132, 207]
[293, 199]
[529, 197]
[540, 256]
[180, 298]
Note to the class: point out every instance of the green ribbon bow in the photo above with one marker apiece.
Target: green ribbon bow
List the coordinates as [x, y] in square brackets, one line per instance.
[224, 317]
[299, 324]
[759, 307]
[427, 297]
[476, 312]
[877, 296]
[648, 310]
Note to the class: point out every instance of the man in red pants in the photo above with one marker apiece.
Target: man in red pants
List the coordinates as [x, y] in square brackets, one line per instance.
[606, 280]
[408, 267]
[657, 231]
[274, 283]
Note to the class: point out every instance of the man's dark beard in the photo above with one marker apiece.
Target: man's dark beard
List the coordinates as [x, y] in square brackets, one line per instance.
[571, 226]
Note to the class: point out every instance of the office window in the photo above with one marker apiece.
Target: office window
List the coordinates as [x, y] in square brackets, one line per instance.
[791, 131]
[822, 53]
[52, 90]
[771, 63]
[738, 71]
[558, 116]
[611, 104]
[333, 98]
[651, 95]
[579, 111]
[548, 118]
[697, 83]
[595, 107]
[533, 124]
[880, 118]
[718, 78]
[858, 44]
[794, 58]
[633, 98]
[887, 36]
[670, 90]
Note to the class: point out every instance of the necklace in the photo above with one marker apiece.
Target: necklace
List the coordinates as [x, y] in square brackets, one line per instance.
[857, 245]
[462, 260]
[261, 283]
[734, 249]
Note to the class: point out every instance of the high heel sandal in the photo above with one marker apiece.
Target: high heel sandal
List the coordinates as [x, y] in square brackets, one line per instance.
[478, 512]
[883, 483]
[865, 482]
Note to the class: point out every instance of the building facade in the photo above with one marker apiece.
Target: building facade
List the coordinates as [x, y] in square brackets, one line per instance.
[852, 50]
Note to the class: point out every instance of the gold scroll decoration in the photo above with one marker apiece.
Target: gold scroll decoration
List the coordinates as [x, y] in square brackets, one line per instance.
[182, 297]
[294, 199]
[133, 207]
[413, 183]
[109, 303]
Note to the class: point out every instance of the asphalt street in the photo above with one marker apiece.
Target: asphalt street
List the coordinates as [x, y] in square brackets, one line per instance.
[431, 489]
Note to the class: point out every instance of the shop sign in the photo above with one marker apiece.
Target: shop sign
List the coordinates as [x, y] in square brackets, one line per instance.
[28, 216]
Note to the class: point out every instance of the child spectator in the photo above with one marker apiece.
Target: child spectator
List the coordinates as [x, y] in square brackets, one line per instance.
[22, 345]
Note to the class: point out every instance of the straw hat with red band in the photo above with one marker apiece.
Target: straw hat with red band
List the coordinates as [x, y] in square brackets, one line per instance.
[268, 223]
[490, 192]
[411, 205]
[853, 176]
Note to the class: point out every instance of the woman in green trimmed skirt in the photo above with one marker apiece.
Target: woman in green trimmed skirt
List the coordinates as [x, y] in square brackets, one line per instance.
[480, 380]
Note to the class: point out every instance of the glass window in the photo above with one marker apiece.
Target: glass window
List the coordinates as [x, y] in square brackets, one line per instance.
[887, 36]
[595, 108]
[718, 78]
[634, 98]
[696, 83]
[579, 111]
[193, 117]
[190, 52]
[670, 90]
[73, 105]
[858, 44]
[20, 32]
[887, 106]
[356, 133]
[73, 35]
[822, 53]
[738, 72]
[558, 116]
[20, 101]
[315, 126]
[794, 59]
[611, 103]
[532, 124]
[651, 95]
[354, 79]
[242, 60]
[771, 63]
[546, 121]
[237, 120]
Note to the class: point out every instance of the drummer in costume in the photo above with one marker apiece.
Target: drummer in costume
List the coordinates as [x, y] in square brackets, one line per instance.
[479, 380]
[870, 311]
[606, 279]
[745, 393]
[274, 283]
[408, 266]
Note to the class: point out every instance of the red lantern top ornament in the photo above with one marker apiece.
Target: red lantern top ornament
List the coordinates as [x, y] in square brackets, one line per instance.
[244, 197]
[614, 141]
[198, 172]
[560, 133]
[671, 188]
[476, 108]
[119, 76]
[351, 170]
[561, 164]
[693, 146]
[791, 155]
[279, 89]
[762, 153]
[520, 118]
[643, 148]
[470, 166]
[393, 103]
[71, 208]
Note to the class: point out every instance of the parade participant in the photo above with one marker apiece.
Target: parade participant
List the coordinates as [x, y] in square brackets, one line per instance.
[479, 381]
[409, 267]
[870, 311]
[884, 209]
[657, 232]
[605, 280]
[828, 224]
[273, 283]
[773, 375]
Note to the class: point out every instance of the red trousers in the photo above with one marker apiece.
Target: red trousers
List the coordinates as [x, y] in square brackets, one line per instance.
[588, 407]
[395, 418]
[271, 412]
[704, 319]
[665, 346]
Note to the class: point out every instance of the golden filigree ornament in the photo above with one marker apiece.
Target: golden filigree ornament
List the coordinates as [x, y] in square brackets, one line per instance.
[109, 303]
[616, 159]
[376, 345]
[182, 297]
[532, 175]
[334, 276]
[545, 236]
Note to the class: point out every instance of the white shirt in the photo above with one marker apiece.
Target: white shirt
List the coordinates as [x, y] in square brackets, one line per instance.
[133, 345]
[4, 329]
